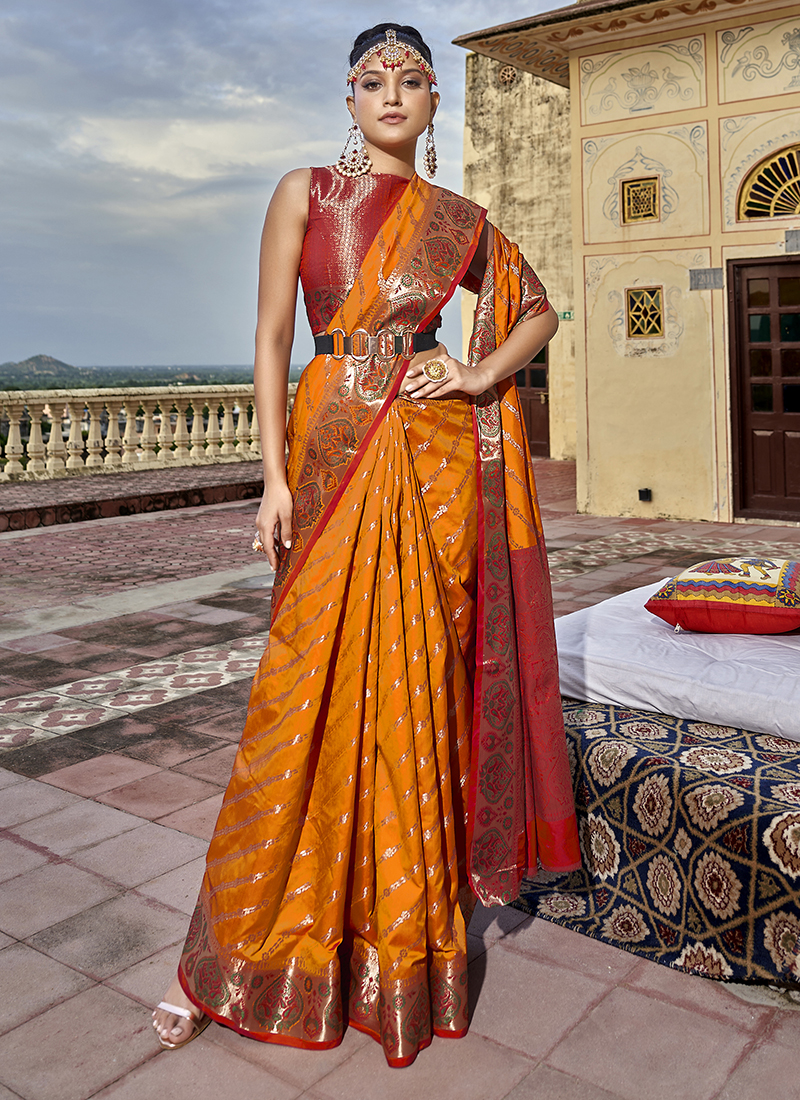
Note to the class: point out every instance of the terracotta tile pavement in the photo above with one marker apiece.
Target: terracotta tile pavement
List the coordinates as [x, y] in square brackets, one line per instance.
[103, 829]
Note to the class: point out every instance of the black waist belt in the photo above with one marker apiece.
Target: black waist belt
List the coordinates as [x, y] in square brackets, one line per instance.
[384, 344]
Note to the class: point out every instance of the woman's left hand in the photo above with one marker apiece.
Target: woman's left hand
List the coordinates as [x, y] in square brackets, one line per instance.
[459, 379]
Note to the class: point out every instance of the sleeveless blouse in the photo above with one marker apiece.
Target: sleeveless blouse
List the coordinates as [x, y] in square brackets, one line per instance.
[344, 216]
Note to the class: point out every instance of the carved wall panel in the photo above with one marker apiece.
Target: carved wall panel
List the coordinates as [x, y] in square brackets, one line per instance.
[684, 313]
[758, 60]
[676, 157]
[744, 141]
[642, 81]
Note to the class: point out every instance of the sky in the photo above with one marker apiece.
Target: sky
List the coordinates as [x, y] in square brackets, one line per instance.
[140, 142]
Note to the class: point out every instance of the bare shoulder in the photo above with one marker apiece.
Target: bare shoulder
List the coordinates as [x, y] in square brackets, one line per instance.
[293, 188]
[295, 182]
[290, 198]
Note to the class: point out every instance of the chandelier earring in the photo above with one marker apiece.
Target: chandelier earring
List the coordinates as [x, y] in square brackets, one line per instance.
[354, 161]
[429, 157]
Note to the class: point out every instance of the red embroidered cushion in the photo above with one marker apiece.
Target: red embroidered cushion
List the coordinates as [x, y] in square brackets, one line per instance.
[732, 596]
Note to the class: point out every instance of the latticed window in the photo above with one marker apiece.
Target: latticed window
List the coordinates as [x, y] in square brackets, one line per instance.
[772, 188]
[640, 200]
[507, 75]
[644, 311]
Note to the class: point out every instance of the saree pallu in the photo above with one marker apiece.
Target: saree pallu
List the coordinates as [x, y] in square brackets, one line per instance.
[393, 754]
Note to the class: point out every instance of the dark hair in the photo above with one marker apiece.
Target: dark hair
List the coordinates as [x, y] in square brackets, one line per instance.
[410, 35]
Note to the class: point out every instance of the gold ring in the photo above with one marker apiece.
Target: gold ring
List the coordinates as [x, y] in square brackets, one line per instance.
[258, 545]
[435, 370]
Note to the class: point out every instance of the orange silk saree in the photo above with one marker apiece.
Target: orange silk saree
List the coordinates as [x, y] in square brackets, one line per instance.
[404, 736]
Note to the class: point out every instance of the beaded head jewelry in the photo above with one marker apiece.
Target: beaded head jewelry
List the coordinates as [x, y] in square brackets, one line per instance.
[354, 160]
[393, 55]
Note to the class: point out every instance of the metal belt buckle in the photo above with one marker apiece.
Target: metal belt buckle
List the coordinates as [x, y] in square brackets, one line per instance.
[338, 346]
[385, 343]
[360, 344]
[408, 345]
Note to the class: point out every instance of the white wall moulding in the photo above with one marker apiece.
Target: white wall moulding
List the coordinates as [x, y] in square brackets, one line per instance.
[746, 141]
[760, 59]
[672, 159]
[643, 81]
[60, 433]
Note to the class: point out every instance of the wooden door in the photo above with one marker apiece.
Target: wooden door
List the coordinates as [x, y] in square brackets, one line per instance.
[533, 398]
[765, 376]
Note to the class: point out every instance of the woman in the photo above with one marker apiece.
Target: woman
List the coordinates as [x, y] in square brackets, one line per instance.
[404, 750]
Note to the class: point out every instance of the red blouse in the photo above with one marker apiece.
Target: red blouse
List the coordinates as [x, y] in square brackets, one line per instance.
[344, 216]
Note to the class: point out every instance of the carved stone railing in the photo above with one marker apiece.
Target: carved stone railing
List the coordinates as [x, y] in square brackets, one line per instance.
[59, 433]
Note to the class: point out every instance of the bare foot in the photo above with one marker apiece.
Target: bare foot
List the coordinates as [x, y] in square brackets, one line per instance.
[171, 1028]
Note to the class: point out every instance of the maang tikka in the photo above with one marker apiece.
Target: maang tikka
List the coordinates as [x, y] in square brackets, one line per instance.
[354, 162]
[393, 55]
[429, 156]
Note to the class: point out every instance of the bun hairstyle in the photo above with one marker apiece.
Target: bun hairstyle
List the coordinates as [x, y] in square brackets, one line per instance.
[410, 35]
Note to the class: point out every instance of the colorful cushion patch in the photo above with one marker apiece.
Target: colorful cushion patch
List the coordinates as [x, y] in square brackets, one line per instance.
[732, 596]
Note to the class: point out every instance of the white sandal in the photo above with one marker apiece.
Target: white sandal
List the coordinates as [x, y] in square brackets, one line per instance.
[197, 1019]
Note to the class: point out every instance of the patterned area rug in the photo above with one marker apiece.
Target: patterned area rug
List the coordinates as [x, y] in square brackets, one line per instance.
[690, 835]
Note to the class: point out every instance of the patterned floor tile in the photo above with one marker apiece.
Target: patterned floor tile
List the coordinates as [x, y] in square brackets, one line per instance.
[139, 698]
[14, 735]
[32, 703]
[630, 544]
[28, 718]
[67, 716]
[97, 686]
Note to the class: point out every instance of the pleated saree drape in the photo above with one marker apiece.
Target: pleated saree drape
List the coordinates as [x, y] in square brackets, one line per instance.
[403, 738]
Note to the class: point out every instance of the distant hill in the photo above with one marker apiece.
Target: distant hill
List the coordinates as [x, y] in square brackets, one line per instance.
[39, 371]
[43, 372]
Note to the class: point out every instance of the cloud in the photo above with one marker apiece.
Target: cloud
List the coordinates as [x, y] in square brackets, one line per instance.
[140, 141]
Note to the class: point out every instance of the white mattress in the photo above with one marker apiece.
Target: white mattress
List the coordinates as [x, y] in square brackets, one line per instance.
[616, 652]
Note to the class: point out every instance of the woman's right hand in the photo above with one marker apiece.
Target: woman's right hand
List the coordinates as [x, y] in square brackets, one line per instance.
[274, 522]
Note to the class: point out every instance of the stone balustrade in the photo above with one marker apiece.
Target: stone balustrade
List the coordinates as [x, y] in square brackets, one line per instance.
[59, 433]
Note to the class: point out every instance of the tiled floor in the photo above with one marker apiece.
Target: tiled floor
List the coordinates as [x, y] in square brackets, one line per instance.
[103, 493]
[126, 650]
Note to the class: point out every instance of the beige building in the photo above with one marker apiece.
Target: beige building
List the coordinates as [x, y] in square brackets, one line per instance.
[684, 160]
